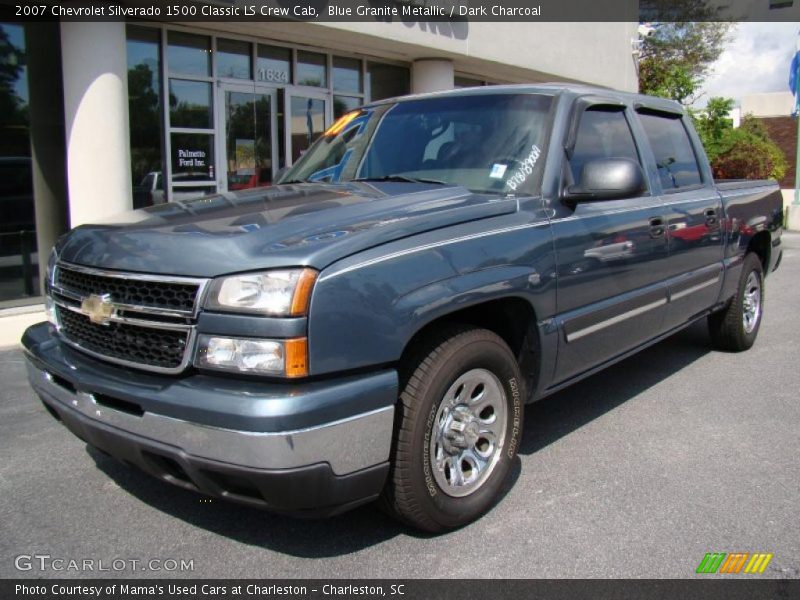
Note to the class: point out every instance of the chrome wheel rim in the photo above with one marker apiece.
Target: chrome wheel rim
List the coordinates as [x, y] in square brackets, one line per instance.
[751, 303]
[469, 430]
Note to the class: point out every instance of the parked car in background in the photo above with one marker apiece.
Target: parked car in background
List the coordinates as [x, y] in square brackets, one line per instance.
[150, 190]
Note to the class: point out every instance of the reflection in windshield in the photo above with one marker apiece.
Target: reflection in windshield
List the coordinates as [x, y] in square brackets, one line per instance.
[486, 143]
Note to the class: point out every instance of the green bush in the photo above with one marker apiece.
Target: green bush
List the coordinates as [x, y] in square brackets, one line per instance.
[744, 153]
[747, 153]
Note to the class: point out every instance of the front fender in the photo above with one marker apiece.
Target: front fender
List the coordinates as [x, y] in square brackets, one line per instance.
[365, 313]
[436, 300]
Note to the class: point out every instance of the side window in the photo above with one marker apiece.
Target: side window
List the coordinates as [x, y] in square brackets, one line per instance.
[602, 133]
[675, 158]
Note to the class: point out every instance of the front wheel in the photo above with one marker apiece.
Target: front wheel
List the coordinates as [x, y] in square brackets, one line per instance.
[457, 431]
[735, 327]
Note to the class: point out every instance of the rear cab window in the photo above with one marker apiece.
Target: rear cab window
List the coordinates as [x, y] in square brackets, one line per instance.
[676, 161]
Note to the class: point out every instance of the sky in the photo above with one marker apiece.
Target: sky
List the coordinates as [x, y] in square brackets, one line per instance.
[756, 60]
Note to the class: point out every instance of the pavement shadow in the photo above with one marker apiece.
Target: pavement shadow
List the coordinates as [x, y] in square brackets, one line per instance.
[562, 413]
[307, 538]
[545, 422]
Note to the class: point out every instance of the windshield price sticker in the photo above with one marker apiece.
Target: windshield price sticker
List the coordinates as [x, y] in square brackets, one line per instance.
[525, 168]
[498, 171]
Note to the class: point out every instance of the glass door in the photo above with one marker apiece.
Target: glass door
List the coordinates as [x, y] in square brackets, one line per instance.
[248, 148]
[309, 115]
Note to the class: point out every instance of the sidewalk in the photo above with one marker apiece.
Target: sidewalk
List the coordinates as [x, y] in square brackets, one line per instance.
[790, 240]
[14, 321]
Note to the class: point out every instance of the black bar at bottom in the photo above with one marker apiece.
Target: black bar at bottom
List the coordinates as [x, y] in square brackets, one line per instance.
[713, 588]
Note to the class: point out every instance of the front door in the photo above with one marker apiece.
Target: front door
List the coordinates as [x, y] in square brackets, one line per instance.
[611, 257]
[249, 147]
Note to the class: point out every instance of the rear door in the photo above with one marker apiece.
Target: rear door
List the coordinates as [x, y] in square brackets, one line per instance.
[611, 254]
[693, 208]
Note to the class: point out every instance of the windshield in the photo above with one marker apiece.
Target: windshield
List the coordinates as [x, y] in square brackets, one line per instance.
[486, 143]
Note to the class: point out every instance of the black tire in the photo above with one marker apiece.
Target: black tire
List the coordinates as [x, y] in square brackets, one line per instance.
[727, 326]
[413, 494]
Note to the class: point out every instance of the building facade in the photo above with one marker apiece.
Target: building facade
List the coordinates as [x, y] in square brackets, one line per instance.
[105, 117]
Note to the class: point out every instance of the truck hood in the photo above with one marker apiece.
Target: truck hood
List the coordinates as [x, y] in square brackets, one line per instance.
[291, 225]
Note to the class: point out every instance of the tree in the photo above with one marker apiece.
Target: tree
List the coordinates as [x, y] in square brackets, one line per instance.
[714, 125]
[13, 109]
[10, 70]
[675, 59]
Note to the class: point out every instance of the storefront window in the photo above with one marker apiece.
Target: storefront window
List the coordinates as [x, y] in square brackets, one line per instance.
[347, 75]
[189, 54]
[19, 274]
[308, 123]
[344, 104]
[233, 59]
[387, 81]
[281, 128]
[144, 109]
[192, 157]
[190, 104]
[248, 139]
[202, 103]
[274, 64]
[465, 82]
[311, 69]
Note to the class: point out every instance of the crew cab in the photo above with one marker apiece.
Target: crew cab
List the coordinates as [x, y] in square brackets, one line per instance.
[372, 327]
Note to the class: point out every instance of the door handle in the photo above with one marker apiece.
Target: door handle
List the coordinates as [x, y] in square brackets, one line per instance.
[711, 216]
[657, 227]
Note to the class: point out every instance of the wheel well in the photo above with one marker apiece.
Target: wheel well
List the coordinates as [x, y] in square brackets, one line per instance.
[760, 245]
[513, 319]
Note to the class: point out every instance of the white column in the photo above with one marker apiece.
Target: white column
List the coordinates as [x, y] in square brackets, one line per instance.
[96, 119]
[431, 75]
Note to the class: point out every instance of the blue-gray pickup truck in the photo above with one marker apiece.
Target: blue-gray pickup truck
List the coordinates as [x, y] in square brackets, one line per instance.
[372, 327]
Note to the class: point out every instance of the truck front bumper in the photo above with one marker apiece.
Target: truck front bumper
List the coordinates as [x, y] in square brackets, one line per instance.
[309, 458]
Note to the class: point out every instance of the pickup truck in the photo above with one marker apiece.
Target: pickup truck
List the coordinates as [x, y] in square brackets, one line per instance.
[372, 327]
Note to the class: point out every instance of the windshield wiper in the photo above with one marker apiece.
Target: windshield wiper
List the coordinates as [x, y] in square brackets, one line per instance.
[294, 181]
[403, 178]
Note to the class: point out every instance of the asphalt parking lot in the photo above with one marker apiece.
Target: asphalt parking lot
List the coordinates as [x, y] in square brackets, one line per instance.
[636, 472]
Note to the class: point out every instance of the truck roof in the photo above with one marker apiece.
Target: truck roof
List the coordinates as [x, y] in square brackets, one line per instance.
[553, 88]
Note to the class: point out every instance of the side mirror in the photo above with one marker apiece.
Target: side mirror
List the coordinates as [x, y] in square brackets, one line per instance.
[607, 179]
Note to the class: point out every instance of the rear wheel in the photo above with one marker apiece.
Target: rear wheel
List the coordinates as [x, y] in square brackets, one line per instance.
[457, 431]
[735, 327]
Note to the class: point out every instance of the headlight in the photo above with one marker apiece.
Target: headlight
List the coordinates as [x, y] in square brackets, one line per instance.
[283, 293]
[283, 358]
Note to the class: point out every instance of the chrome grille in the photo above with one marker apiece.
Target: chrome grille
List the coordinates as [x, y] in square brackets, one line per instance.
[160, 348]
[151, 325]
[142, 291]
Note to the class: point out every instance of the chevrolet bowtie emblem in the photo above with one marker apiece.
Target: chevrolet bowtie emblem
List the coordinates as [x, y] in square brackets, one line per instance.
[99, 309]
